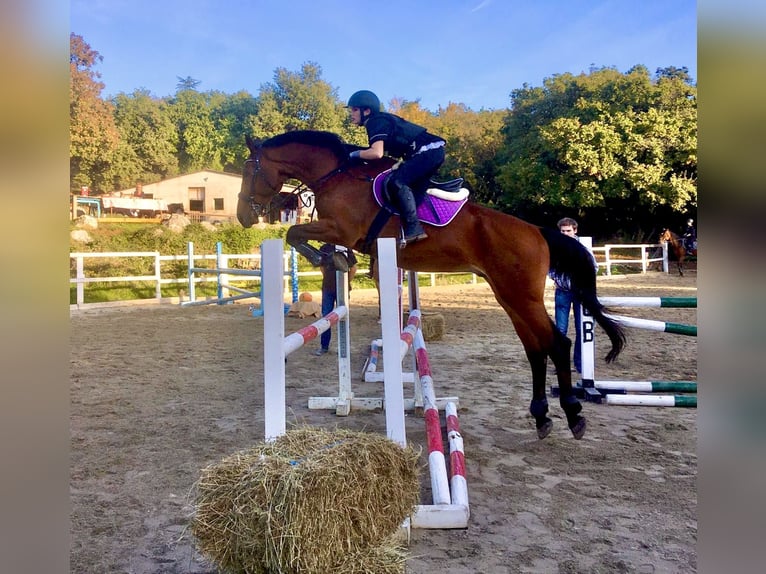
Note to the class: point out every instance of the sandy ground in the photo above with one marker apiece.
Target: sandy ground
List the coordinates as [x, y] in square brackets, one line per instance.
[157, 393]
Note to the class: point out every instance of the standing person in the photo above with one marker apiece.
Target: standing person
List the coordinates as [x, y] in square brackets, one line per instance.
[565, 299]
[330, 286]
[422, 154]
[690, 236]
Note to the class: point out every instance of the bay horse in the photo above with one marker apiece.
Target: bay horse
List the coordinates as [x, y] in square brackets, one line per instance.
[513, 256]
[676, 250]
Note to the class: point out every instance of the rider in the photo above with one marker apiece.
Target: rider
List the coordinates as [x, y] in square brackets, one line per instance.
[690, 235]
[421, 153]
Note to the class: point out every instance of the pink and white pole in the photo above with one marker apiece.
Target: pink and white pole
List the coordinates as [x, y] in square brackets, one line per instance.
[437, 465]
[458, 484]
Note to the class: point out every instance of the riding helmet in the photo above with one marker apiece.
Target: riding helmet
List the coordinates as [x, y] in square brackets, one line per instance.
[364, 99]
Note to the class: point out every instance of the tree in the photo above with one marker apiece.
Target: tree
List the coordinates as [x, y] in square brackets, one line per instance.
[233, 117]
[200, 141]
[187, 83]
[473, 139]
[301, 101]
[92, 133]
[148, 137]
[619, 147]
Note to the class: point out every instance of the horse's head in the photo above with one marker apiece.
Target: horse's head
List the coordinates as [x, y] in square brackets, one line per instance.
[261, 181]
[665, 235]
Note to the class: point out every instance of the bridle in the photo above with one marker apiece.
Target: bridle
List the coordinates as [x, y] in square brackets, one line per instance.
[261, 209]
[258, 208]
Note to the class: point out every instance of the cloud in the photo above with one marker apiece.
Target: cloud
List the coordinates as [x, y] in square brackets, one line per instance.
[483, 4]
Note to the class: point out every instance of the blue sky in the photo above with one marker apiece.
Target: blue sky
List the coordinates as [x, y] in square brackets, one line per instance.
[473, 52]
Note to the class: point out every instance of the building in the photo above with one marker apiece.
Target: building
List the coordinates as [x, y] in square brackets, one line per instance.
[212, 196]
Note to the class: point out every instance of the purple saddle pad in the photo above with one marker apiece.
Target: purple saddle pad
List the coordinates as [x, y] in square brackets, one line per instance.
[433, 210]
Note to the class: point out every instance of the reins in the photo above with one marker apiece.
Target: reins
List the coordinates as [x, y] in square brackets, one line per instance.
[277, 202]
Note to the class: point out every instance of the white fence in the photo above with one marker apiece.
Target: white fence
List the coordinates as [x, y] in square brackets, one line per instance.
[644, 259]
[83, 274]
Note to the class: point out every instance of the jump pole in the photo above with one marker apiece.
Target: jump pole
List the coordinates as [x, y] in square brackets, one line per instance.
[393, 389]
[647, 386]
[444, 513]
[634, 302]
[651, 325]
[605, 391]
[276, 346]
[689, 401]
[390, 305]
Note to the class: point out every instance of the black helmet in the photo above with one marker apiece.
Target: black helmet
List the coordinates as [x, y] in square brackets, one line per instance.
[364, 99]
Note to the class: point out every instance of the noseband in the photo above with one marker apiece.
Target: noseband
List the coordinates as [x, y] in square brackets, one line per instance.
[258, 208]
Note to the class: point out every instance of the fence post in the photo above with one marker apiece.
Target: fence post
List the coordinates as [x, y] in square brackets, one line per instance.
[608, 259]
[190, 255]
[158, 274]
[80, 282]
[665, 256]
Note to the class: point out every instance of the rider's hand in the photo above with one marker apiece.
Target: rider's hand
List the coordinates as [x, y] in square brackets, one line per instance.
[356, 154]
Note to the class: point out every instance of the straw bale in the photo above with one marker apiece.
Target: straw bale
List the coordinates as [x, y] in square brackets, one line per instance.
[432, 325]
[311, 501]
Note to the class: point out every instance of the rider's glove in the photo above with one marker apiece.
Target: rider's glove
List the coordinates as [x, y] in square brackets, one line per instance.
[356, 154]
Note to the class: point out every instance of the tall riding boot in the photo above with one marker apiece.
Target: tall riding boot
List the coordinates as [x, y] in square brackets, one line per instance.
[408, 213]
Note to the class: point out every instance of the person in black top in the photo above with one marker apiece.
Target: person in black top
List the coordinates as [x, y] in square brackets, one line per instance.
[329, 285]
[422, 154]
[690, 236]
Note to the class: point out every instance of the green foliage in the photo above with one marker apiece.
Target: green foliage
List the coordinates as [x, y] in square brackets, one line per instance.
[619, 146]
[148, 140]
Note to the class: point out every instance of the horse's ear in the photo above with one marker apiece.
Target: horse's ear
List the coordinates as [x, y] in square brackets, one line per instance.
[252, 144]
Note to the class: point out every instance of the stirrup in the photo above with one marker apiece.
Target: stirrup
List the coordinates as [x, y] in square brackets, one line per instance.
[413, 239]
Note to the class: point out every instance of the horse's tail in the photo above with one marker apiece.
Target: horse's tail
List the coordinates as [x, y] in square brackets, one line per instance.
[573, 264]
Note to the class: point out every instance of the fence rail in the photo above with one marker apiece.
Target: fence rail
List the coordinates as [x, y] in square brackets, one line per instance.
[85, 275]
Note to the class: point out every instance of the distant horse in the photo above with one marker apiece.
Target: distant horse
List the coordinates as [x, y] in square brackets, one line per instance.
[512, 255]
[676, 250]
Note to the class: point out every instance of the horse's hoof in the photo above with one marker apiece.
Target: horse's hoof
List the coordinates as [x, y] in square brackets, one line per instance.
[578, 429]
[545, 429]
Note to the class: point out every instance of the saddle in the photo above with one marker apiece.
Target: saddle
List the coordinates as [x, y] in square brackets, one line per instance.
[439, 205]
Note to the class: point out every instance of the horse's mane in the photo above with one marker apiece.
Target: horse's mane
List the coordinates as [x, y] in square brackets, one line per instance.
[326, 140]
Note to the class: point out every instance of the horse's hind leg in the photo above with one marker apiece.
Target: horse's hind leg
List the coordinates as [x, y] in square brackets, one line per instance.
[538, 406]
[567, 399]
[541, 339]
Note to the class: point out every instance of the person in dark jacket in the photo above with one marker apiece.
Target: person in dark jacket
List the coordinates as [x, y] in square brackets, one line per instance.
[422, 154]
[690, 236]
[330, 285]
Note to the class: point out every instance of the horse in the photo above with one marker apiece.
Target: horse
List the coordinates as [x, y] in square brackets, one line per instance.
[512, 255]
[676, 249]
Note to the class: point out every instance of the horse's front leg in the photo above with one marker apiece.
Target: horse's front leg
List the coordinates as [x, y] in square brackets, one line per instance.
[323, 230]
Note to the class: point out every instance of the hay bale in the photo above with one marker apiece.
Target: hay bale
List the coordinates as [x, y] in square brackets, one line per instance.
[432, 325]
[311, 501]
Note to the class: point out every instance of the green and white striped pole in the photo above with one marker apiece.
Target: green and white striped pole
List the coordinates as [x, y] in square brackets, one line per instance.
[650, 325]
[667, 302]
[688, 401]
[647, 386]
